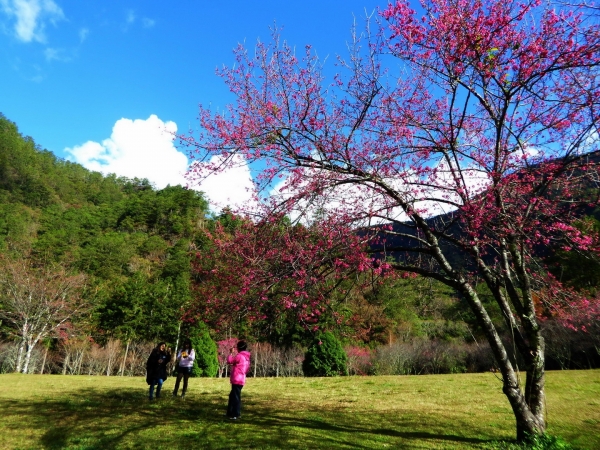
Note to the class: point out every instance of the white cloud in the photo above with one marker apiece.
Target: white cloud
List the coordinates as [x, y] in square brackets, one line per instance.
[31, 17]
[148, 23]
[83, 34]
[430, 195]
[232, 187]
[136, 148]
[229, 183]
[56, 54]
[130, 16]
[145, 149]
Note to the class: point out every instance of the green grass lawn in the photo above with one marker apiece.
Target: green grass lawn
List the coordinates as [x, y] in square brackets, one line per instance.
[413, 412]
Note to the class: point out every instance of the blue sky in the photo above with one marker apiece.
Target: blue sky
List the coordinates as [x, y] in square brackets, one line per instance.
[95, 81]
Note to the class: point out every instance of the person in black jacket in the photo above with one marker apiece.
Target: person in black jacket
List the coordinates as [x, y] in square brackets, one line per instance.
[156, 368]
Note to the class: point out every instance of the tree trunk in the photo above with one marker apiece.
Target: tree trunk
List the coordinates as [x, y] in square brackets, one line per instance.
[535, 394]
[80, 361]
[20, 353]
[30, 346]
[529, 416]
[122, 369]
[527, 423]
[66, 363]
[44, 361]
[178, 335]
[112, 348]
[255, 359]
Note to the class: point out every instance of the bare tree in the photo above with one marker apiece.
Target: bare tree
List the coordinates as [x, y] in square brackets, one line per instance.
[113, 349]
[38, 301]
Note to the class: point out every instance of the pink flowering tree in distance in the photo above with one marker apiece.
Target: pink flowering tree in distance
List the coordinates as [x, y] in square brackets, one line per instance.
[462, 136]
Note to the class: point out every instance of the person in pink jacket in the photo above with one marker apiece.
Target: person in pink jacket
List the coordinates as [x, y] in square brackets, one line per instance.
[240, 364]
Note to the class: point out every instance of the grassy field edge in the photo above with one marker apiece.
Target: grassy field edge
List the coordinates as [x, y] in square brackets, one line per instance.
[420, 412]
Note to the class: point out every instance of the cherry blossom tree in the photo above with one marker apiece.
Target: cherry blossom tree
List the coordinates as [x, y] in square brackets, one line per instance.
[39, 302]
[466, 132]
[260, 273]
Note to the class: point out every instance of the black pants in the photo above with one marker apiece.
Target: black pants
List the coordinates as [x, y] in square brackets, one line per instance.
[185, 373]
[234, 407]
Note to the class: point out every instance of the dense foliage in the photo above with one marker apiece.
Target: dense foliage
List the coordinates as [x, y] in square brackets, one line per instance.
[206, 363]
[325, 357]
[131, 241]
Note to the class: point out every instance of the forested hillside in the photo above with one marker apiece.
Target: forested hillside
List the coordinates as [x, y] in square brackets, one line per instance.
[130, 241]
[118, 254]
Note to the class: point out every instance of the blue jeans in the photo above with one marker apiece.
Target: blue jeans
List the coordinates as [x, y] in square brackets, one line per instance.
[158, 384]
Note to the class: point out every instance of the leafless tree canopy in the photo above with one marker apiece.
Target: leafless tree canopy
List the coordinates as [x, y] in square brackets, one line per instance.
[38, 301]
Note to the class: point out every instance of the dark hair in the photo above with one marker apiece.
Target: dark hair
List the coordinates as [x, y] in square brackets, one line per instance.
[187, 345]
[160, 343]
[241, 346]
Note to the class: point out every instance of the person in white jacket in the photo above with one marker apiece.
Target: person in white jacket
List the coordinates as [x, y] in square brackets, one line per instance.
[185, 362]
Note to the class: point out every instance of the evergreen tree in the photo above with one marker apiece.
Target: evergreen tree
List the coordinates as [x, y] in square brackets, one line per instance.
[325, 357]
[206, 363]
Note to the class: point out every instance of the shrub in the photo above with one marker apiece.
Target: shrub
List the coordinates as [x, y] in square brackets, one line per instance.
[541, 442]
[206, 363]
[359, 360]
[8, 356]
[325, 357]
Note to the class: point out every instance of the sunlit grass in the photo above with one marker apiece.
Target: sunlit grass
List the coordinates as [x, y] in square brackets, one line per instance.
[413, 412]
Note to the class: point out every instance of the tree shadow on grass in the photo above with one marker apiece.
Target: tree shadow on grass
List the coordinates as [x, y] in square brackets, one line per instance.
[119, 418]
[90, 418]
[401, 431]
